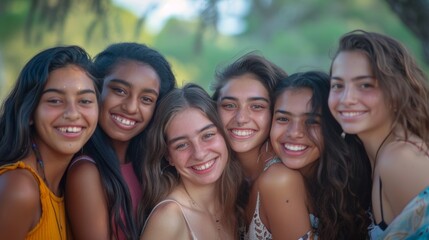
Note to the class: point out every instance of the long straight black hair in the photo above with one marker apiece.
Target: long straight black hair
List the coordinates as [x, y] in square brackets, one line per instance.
[99, 147]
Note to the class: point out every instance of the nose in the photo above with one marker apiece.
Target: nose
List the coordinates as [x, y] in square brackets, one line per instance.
[130, 105]
[242, 116]
[71, 112]
[200, 151]
[348, 96]
[295, 130]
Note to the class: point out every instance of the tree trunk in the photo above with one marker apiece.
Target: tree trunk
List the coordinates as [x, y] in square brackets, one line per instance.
[415, 15]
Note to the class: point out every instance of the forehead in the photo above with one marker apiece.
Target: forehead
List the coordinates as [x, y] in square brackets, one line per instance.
[351, 64]
[69, 77]
[246, 84]
[295, 101]
[134, 72]
[186, 122]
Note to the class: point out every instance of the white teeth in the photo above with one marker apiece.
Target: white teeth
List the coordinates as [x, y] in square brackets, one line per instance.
[293, 147]
[243, 133]
[124, 121]
[70, 129]
[204, 166]
[350, 114]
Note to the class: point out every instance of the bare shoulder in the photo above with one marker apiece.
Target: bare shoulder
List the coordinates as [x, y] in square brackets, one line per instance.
[86, 202]
[278, 175]
[402, 158]
[402, 167]
[82, 172]
[84, 188]
[166, 222]
[19, 202]
[19, 187]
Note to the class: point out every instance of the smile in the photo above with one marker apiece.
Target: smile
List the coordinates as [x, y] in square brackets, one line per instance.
[295, 147]
[70, 129]
[242, 133]
[351, 114]
[204, 166]
[124, 121]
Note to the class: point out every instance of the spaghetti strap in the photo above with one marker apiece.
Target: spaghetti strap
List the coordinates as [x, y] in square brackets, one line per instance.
[81, 158]
[382, 224]
[181, 209]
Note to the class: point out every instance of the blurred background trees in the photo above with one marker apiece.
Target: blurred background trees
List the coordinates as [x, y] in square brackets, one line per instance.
[296, 35]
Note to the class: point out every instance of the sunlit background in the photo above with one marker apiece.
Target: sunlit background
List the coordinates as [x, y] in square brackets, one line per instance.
[196, 36]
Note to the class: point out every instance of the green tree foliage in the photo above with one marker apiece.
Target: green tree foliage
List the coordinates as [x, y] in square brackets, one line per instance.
[297, 35]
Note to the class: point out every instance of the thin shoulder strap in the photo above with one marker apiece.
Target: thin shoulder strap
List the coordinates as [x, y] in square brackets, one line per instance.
[271, 162]
[382, 224]
[181, 209]
[81, 158]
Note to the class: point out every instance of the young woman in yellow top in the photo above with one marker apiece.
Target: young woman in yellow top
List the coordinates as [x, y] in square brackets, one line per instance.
[49, 115]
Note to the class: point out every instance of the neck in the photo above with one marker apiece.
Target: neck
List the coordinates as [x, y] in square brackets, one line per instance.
[308, 172]
[204, 197]
[375, 141]
[121, 150]
[50, 166]
[253, 161]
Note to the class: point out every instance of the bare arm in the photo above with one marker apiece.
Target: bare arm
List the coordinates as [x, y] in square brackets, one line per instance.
[20, 209]
[283, 203]
[86, 202]
[166, 222]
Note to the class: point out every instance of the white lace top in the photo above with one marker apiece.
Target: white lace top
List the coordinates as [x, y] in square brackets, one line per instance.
[258, 231]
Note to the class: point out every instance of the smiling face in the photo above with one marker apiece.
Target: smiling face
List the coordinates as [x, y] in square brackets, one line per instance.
[293, 120]
[196, 148]
[67, 113]
[129, 98]
[244, 107]
[355, 99]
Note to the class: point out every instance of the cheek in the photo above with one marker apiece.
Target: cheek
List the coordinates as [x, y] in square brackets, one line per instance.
[333, 97]
[147, 112]
[276, 131]
[92, 115]
[264, 121]
[225, 116]
[178, 158]
[106, 104]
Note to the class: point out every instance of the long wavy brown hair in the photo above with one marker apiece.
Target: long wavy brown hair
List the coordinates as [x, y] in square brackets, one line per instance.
[338, 188]
[403, 83]
[159, 178]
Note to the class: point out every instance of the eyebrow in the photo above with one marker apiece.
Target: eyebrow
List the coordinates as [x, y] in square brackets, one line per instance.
[81, 92]
[249, 99]
[210, 125]
[309, 114]
[145, 90]
[355, 78]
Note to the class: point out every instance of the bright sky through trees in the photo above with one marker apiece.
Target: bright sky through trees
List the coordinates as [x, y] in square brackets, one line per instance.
[230, 21]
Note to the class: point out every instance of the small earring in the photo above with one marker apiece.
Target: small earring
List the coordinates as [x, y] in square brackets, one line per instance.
[343, 135]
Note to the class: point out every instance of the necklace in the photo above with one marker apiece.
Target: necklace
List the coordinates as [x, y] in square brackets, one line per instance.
[41, 168]
[214, 217]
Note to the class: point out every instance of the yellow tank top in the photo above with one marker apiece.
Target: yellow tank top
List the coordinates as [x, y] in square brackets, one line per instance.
[52, 223]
